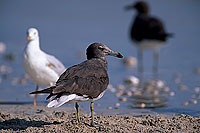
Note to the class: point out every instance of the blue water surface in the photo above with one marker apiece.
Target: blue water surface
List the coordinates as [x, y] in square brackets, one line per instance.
[66, 28]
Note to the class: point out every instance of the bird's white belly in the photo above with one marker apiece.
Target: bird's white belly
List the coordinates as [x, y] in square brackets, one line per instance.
[82, 99]
[39, 71]
[71, 99]
[150, 44]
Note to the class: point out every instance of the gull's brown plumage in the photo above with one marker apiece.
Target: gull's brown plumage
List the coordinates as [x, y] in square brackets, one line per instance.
[85, 81]
[90, 79]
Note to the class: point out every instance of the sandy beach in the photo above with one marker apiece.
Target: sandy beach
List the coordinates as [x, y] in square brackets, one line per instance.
[25, 118]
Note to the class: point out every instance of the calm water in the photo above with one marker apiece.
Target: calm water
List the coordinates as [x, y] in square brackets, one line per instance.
[68, 27]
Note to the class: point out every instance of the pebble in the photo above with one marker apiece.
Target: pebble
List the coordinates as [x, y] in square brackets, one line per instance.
[3, 68]
[193, 101]
[156, 100]
[117, 105]
[120, 87]
[1, 119]
[109, 107]
[15, 80]
[198, 96]
[156, 83]
[25, 76]
[149, 88]
[193, 96]
[132, 80]
[133, 88]
[185, 103]
[197, 89]
[98, 104]
[183, 87]
[155, 92]
[197, 70]
[160, 84]
[130, 61]
[142, 105]
[128, 93]
[9, 70]
[123, 99]
[111, 88]
[22, 81]
[2, 47]
[177, 78]
[171, 93]
[166, 89]
[137, 92]
[118, 94]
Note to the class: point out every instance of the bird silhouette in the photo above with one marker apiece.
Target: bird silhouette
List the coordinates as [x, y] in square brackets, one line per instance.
[147, 32]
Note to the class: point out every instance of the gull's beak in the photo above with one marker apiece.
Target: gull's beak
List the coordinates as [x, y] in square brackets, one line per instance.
[129, 7]
[116, 54]
[29, 38]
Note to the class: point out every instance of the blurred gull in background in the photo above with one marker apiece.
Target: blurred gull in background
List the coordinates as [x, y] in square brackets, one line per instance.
[148, 33]
[43, 68]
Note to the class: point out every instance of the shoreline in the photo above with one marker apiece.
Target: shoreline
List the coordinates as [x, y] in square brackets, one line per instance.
[26, 118]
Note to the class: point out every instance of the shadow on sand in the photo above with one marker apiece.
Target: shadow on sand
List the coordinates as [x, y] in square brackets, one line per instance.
[22, 124]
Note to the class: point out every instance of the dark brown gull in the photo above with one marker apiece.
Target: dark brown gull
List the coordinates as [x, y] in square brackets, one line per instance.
[147, 32]
[86, 81]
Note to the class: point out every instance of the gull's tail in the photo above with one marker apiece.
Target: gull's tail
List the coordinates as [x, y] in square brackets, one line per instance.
[61, 100]
[47, 90]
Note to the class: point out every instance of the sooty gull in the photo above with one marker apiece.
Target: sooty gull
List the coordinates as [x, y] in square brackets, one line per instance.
[86, 81]
[44, 69]
[148, 33]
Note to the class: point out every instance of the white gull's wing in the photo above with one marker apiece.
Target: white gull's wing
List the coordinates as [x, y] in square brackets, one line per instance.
[55, 64]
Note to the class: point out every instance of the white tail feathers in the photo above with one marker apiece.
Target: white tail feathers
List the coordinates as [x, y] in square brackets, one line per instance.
[60, 101]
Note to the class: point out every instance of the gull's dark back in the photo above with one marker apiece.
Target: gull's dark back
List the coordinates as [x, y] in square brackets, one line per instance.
[89, 78]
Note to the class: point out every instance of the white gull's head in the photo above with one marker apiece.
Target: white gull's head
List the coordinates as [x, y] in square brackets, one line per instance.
[32, 34]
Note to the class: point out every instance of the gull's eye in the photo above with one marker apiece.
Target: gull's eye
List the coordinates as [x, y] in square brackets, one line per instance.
[101, 48]
[34, 33]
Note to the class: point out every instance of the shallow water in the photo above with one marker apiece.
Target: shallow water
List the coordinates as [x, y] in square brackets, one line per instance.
[68, 27]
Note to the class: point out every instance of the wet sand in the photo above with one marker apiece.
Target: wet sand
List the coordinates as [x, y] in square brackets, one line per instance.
[25, 118]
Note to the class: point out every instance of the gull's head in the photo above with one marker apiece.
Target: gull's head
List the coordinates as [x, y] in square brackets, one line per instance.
[141, 7]
[32, 34]
[99, 50]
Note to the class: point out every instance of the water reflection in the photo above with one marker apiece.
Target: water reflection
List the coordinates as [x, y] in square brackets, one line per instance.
[153, 95]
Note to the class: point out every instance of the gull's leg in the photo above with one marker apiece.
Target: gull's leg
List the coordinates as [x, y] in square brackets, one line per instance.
[155, 67]
[77, 112]
[92, 115]
[35, 99]
[140, 65]
[51, 84]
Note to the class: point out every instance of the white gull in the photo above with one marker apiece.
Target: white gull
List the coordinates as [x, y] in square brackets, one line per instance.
[44, 69]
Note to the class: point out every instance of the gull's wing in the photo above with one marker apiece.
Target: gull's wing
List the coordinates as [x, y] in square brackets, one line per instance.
[89, 78]
[55, 64]
[147, 27]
